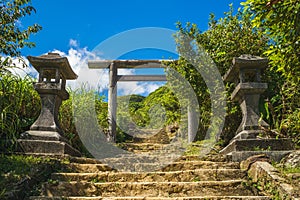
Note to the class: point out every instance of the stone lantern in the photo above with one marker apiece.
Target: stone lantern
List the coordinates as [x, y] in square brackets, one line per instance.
[45, 132]
[246, 74]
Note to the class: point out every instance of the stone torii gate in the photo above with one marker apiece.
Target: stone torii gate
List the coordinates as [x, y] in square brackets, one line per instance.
[113, 66]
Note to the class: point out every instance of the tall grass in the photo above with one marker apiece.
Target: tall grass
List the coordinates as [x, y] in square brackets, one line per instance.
[87, 106]
[19, 105]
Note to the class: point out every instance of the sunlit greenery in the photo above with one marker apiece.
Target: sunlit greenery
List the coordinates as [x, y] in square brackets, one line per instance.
[19, 105]
[227, 37]
[13, 36]
[262, 28]
[160, 106]
[280, 23]
[18, 172]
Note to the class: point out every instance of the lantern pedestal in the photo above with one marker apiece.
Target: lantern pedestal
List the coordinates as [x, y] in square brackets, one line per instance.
[45, 135]
[246, 73]
[47, 127]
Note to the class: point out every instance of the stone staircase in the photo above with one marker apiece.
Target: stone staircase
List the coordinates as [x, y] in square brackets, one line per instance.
[188, 177]
[143, 147]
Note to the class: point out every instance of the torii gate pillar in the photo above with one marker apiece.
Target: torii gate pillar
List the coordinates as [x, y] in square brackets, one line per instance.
[112, 103]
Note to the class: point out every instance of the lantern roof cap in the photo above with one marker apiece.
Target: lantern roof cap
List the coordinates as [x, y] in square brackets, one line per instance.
[55, 61]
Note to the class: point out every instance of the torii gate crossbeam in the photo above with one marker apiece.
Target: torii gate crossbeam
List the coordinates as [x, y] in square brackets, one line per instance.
[113, 66]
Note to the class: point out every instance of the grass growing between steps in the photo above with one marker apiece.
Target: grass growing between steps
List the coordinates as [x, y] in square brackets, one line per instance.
[290, 174]
[278, 181]
[289, 170]
[21, 176]
[195, 148]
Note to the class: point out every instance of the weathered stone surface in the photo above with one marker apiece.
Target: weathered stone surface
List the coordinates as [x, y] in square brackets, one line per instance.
[141, 147]
[246, 73]
[188, 177]
[270, 180]
[248, 95]
[45, 135]
[43, 147]
[53, 70]
[248, 91]
[52, 60]
[149, 189]
[292, 160]
[238, 156]
[157, 198]
[245, 61]
[241, 149]
[246, 164]
[258, 145]
[175, 166]
[175, 176]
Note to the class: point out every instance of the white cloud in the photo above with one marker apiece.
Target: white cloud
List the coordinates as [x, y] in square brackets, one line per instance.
[78, 58]
[143, 88]
[94, 78]
[134, 87]
[99, 78]
[152, 87]
[73, 43]
[19, 69]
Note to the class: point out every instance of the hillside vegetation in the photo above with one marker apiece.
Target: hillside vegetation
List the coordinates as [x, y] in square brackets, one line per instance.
[264, 28]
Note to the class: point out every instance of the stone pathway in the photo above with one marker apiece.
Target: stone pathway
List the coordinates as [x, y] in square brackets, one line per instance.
[188, 177]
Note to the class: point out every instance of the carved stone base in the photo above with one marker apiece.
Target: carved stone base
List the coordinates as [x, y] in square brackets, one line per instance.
[240, 149]
[44, 147]
[43, 135]
[239, 156]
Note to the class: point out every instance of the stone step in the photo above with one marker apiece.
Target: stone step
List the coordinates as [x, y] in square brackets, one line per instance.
[149, 189]
[175, 166]
[237, 156]
[221, 158]
[140, 151]
[142, 146]
[157, 198]
[143, 157]
[175, 176]
[89, 168]
[191, 165]
[83, 160]
[270, 144]
[152, 158]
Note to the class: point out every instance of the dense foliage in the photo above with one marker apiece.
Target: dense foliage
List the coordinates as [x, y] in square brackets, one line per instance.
[280, 23]
[159, 106]
[13, 36]
[80, 98]
[264, 28]
[19, 105]
[21, 176]
[268, 28]
[155, 111]
[226, 38]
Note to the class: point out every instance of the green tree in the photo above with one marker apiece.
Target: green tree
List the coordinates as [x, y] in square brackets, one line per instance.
[227, 37]
[280, 22]
[19, 103]
[12, 36]
[158, 109]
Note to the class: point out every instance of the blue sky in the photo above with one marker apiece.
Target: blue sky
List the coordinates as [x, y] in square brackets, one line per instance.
[74, 28]
[92, 21]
